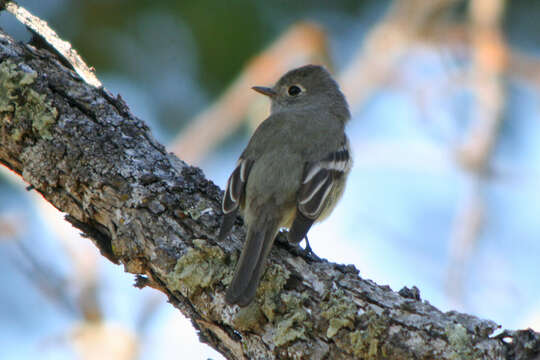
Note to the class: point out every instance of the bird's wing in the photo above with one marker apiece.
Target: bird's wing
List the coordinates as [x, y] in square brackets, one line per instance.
[317, 182]
[234, 195]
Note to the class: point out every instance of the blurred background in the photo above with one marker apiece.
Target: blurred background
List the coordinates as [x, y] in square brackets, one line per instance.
[445, 132]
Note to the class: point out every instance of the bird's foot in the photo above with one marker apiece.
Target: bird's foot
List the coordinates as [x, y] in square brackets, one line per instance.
[295, 248]
[308, 251]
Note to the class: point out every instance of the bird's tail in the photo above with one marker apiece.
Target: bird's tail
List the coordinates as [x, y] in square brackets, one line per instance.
[250, 266]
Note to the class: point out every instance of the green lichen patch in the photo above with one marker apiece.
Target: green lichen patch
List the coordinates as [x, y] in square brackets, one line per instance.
[270, 289]
[294, 323]
[40, 111]
[249, 318]
[339, 311]
[285, 310]
[365, 343]
[201, 267]
[11, 79]
[460, 343]
[25, 104]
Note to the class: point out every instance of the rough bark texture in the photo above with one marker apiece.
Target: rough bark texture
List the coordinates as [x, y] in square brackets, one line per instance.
[84, 151]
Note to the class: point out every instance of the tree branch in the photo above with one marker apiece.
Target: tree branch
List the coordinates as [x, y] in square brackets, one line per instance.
[84, 151]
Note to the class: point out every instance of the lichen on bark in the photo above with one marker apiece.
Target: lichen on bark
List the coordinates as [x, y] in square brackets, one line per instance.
[21, 105]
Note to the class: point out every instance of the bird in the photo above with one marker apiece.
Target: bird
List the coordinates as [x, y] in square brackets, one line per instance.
[292, 172]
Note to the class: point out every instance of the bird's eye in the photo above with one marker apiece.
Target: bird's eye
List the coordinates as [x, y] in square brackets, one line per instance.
[294, 90]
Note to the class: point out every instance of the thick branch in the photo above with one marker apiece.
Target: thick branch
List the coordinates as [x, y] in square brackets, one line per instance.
[90, 157]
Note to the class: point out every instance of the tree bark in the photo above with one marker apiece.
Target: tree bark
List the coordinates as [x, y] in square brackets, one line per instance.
[84, 151]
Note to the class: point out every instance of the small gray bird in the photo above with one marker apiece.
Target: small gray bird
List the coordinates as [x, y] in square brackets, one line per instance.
[291, 174]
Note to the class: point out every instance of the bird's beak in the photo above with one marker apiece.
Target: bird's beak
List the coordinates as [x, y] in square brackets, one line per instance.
[264, 90]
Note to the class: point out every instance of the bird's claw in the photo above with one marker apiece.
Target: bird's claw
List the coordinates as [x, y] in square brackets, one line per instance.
[308, 251]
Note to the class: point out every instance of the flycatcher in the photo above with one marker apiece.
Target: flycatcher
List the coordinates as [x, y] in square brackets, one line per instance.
[291, 174]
